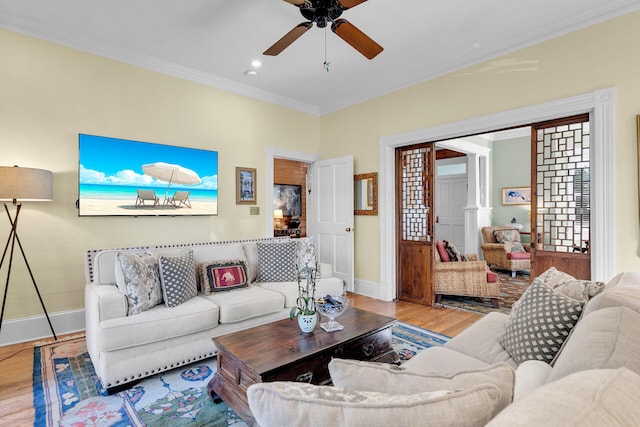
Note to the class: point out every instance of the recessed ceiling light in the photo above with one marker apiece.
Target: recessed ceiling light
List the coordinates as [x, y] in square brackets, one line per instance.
[251, 73]
[256, 64]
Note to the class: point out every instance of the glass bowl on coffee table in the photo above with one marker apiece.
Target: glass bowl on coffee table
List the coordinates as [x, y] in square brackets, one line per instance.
[331, 307]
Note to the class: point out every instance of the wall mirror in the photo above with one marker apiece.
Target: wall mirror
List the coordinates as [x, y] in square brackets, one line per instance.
[366, 194]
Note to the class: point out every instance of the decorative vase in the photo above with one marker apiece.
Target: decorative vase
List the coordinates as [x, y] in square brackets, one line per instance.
[307, 322]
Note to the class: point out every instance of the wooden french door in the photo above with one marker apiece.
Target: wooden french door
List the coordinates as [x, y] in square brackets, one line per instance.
[561, 195]
[415, 167]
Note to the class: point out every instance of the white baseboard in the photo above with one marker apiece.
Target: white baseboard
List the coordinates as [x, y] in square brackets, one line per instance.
[36, 327]
[369, 289]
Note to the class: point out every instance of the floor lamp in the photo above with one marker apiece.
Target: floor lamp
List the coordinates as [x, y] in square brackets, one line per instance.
[22, 185]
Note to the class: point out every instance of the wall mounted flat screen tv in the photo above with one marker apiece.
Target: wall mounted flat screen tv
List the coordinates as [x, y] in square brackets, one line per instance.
[119, 177]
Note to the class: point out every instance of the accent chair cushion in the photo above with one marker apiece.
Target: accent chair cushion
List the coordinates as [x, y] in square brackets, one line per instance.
[178, 278]
[540, 323]
[295, 404]
[217, 276]
[137, 276]
[518, 255]
[276, 261]
[491, 276]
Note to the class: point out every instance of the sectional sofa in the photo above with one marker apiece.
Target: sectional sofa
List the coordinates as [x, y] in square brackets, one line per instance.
[128, 340]
[591, 379]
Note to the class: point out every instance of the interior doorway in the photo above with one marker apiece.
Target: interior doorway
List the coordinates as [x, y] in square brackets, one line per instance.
[450, 198]
[599, 104]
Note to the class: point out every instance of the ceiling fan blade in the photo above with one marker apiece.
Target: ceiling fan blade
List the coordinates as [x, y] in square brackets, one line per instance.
[297, 2]
[356, 38]
[348, 4]
[288, 38]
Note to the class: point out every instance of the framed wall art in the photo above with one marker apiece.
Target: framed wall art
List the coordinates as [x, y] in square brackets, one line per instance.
[516, 196]
[245, 186]
[288, 198]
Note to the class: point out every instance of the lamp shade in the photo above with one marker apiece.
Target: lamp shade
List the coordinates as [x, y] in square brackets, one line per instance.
[277, 214]
[25, 184]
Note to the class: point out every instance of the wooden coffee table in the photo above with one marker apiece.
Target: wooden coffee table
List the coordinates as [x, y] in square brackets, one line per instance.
[279, 351]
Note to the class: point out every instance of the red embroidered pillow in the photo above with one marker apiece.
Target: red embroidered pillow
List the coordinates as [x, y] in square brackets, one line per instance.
[217, 276]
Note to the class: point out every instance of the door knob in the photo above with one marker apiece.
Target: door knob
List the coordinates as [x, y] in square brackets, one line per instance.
[347, 229]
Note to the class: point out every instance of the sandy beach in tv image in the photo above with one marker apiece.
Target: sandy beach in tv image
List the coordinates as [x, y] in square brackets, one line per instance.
[129, 178]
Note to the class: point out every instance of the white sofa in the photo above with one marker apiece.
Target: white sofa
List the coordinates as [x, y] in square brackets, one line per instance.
[125, 348]
[593, 381]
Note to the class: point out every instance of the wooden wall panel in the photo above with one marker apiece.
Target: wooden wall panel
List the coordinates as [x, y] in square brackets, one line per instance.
[294, 173]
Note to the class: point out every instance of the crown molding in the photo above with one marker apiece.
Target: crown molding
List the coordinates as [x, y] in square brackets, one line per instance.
[151, 63]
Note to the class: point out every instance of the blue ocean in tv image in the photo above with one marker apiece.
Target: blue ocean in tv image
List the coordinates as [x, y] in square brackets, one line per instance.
[122, 191]
[123, 177]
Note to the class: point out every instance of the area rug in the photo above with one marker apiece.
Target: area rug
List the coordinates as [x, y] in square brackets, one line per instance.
[67, 392]
[511, 289]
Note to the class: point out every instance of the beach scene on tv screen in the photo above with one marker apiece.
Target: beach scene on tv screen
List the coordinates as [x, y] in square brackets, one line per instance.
[123, 177]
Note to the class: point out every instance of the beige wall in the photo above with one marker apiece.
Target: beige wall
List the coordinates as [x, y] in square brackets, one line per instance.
[601, 56]
[49, 94]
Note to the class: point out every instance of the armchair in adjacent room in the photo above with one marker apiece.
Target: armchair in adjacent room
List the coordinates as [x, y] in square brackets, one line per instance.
[463, 278]
[500, 249]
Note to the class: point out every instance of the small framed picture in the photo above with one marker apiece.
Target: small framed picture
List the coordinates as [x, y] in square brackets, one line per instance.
[516, 196]
[245, 186]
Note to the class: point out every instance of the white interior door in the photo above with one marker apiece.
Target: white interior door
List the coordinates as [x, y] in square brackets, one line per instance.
[450, 200]
[332, 193]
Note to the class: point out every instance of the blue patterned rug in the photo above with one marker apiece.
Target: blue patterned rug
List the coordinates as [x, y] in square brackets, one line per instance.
[67, 392]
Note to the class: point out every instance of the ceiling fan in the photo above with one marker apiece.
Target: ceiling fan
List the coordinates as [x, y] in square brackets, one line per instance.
[322, 12]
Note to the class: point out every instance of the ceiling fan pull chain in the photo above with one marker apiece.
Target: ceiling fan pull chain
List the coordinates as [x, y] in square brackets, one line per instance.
[326, 64]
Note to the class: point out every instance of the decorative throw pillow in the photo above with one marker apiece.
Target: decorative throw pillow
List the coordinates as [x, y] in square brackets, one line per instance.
[216, 276]
[581, 290]
[276, 261]
[514, 247]
[178, 278]
[392, 379]
[298, 404]
[454, 254]
[540, 323]
[553, 277]
[139, 279]
[442, 251]
[306, 256]
[508, 235]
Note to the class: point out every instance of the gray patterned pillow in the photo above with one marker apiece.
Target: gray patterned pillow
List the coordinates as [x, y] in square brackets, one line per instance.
[540, 323]
[276, 261]
[178, 278]
[140, 281]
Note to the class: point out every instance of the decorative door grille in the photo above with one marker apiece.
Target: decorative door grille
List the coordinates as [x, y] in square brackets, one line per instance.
[415, 188]
[563, 190]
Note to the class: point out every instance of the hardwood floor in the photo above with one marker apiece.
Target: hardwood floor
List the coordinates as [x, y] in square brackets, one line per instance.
[16, 361]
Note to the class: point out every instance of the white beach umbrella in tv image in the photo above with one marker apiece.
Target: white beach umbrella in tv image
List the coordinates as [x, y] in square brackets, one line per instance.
[173, 174]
